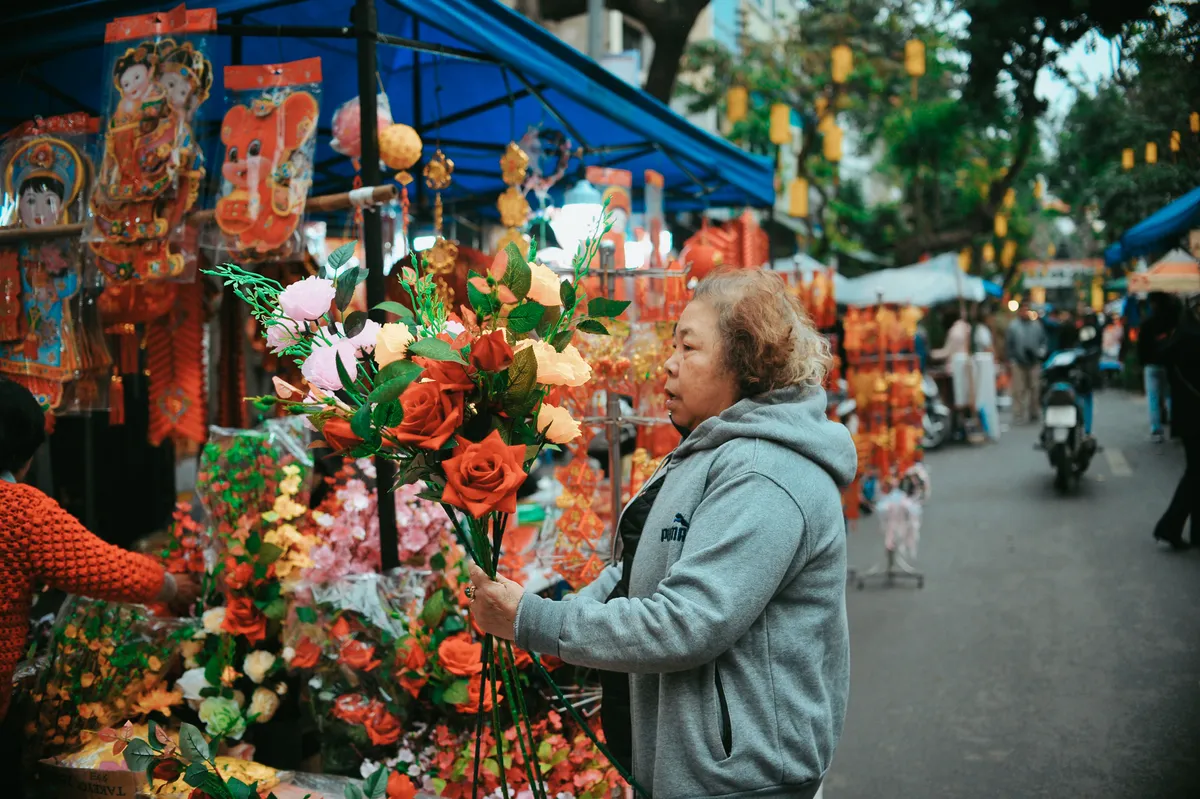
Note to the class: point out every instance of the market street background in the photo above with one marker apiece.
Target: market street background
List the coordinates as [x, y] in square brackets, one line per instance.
[1052, 652]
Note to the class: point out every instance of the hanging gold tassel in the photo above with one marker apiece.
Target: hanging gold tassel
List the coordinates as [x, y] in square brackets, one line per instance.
[116, 401]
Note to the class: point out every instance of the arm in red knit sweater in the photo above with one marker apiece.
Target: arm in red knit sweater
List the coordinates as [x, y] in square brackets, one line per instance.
[64, 554]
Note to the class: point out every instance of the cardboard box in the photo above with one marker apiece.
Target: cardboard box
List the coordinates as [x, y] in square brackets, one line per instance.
[58, 782]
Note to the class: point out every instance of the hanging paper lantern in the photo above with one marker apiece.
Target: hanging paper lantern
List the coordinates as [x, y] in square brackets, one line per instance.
[798, 198]
[1001, 226]
[914, 57]
[1127, 158]
[1151, 152]
[1195, 121]
[833, 144]
[399, 146]
[1051, 250]
[1039, 189]
[821, 106]
[964, 259]
[347, 125]
[1010, 198]
[1008, 253]
[843, 63]
[1176, 140]
[737, 104]
[989, 253]
[700, 258]
[781, 123]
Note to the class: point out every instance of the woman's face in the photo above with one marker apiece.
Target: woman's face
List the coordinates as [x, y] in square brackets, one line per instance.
[39, 207]
[699, 386]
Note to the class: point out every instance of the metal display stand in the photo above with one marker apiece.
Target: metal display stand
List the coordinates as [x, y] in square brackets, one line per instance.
[893, 568]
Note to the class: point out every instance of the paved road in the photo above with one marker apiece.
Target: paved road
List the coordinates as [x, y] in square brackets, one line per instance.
[1055, 649]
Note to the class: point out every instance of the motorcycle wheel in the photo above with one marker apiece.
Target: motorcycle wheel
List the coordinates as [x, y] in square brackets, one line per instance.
[936, 431]
[1064, 474]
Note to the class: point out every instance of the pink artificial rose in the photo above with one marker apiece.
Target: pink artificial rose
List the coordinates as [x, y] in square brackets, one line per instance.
[364, 341]
[320, 368]
[283, 334]
[307, 300]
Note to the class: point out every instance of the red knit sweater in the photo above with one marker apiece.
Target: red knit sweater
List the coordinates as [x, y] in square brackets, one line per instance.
[42, 543]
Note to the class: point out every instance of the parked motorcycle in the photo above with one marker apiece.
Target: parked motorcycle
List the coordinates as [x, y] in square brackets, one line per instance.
[938, 419]
[1069, 377]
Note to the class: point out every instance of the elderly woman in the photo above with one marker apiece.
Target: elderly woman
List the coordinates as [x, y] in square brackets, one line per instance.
[726, 601]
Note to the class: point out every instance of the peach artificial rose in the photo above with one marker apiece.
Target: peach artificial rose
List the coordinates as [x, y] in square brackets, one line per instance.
[557, 424]
[566, 368]
[391, 343]
[544, 286]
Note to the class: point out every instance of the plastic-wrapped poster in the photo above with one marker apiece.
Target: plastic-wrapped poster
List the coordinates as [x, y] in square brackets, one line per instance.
[48, 341]
[615, 185]
[152, 166]
[269, 135]
[655, 216]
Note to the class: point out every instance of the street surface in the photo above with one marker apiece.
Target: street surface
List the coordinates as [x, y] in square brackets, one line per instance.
[1055, 648]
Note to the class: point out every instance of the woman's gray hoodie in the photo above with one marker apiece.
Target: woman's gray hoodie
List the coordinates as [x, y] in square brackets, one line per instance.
[734, 631]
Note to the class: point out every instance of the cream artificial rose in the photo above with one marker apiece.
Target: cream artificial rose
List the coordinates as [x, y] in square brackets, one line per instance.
[213, 619]
[557, 424]
[391, 343]
[544, 286]
[263, 704]
[566, 368]
[257, 664]
[189, 650]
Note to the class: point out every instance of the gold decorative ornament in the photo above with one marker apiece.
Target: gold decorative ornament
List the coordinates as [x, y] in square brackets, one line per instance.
[438, 171]
[513, 207]
[514, 165]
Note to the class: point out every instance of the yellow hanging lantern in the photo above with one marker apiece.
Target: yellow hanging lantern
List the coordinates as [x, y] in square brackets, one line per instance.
[964, 259]
[989, 253]
[1038, 189]
[1051, 250]
[843, 63]
[399, 146]
[781, 123]
[1008, 253]
[798, 197]
[1195, 121]
[1127, 158]
[1176, 141]
[1097, 295]
[914, 57]
[833, 144]
[1151, 152]
[1010, 198]
[1000, 225]
[737, 104]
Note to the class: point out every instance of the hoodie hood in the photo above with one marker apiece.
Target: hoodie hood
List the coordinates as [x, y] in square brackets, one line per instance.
[793, 417]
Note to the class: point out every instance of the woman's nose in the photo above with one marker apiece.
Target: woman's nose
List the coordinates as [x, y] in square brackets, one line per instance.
[672, 365]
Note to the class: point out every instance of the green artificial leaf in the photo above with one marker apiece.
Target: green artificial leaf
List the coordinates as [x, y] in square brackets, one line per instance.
[344, 376]
[434, 610]
[344, 287]
[483, 304]
[491, 766]
[437, 562]
[435, 349]
[375, 786]
[566, 293]
[306, 614]
[239, 789]
[360, 422]
[192, 743]
[453, 624]
[531, 452]
[605, 308]
[195, 773]
[545, 750]
[522, 374]
[354, 324]
[209, 690]
[212, 671]
[392, 371]
[561, 341]
[392, 307]
[399, 379]
[340, 256]
[269, 553]
[152, 737]
[387, 414]
[352, 792]
[517, 275]
[592, 326]
[549, 319]
[533, 250]
[456, 694]
[525, 317]
[139, 756]
[276, 609]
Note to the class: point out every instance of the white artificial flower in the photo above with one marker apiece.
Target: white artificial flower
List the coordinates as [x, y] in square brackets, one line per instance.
[368, 767]
[263, 705]
[213, 619]
[191, 683]
[288, 653]
[257, 664]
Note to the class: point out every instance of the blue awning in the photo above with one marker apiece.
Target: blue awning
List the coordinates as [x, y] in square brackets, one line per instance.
[497, 74]
[1158, 231]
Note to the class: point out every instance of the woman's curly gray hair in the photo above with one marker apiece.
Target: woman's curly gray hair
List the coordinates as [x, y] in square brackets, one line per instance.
[767, 338]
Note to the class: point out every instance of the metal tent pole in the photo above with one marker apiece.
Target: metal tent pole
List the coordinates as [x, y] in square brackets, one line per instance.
[366, 26]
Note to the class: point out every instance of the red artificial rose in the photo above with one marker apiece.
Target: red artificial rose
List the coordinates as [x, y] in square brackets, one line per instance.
[357, 655]
[307, 655]
[243, 618]
[521, 658]
[431, 416]
[460, 656]
[484, 477]
[449, 375]
[339, 435]
[198, 794]
[239, 576]
[475, 693]
[340, 629]
[400, 786]
[491, 353]
[382, 727]
[351, 708]
[168, 770]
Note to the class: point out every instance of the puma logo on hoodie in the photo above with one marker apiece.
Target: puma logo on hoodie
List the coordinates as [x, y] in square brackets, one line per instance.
[677, 531]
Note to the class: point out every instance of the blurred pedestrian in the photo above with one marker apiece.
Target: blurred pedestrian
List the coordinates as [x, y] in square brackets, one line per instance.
[983, 361]
[1181, 358]
[1026, 340]
[1153, 335]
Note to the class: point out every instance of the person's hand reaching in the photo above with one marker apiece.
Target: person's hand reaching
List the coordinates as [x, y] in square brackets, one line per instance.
[494, 603]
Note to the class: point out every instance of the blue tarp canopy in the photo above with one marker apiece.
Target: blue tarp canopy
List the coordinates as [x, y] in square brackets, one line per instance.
[1158, 231]
[495, 74]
